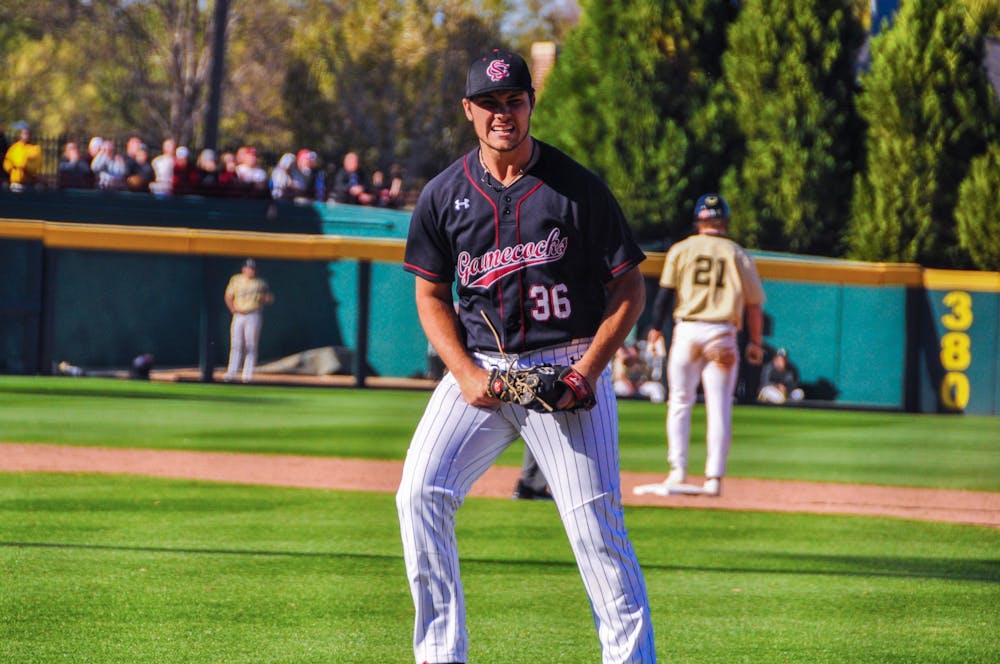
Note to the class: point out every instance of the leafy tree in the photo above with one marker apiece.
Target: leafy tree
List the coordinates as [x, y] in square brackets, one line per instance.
[930, 110]
[791, 70]
[109, 67]
[46, 77]
[254, 108]
[634, 95]
[387, 78]
[166, 45]
[978, 210]
[982, 15]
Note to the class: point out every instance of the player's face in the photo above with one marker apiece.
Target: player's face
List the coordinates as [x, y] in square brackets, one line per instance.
[502, 119]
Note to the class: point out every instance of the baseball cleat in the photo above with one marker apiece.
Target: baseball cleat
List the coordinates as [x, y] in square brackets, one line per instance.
[657, 489]
[674, 479]
[710, 488]
[524, 492]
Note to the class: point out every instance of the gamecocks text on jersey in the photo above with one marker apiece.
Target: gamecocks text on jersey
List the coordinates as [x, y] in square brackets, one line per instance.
[483, 271]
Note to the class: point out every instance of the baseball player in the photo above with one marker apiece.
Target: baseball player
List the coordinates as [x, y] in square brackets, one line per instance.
[246, 295]
[540, 246]
[712, 281]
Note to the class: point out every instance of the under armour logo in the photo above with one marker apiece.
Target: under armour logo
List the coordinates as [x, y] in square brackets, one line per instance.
[462, 203]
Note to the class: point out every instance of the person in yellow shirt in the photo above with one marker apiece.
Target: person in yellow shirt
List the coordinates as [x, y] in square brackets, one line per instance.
[23, 161]
[246, 295]
[714, 285]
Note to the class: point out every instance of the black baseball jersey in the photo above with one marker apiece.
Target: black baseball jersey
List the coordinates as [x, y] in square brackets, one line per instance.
[535, 256]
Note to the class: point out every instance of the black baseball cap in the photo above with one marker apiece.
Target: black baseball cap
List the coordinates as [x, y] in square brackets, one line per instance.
[497, 70]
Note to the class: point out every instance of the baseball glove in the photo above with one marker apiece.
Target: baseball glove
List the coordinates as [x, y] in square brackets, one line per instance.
[541, 387]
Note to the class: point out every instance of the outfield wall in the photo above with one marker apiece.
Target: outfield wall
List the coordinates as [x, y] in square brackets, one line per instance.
[866, 335]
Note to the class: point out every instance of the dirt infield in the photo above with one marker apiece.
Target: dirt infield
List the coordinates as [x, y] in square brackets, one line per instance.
[966, 507]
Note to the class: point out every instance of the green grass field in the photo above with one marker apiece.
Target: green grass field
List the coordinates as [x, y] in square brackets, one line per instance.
[769, 442]
[127, 569]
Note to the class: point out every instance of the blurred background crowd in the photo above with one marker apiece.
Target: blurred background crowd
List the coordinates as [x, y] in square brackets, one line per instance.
[169, 169]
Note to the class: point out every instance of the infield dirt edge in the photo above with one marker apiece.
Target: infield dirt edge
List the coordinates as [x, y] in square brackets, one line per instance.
[977, 508]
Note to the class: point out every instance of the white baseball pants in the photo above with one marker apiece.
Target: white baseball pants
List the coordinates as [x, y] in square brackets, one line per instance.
[687, 365]
[244, 334]
[455, 443]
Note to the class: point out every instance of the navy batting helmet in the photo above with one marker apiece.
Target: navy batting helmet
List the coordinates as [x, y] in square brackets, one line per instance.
[711, 206]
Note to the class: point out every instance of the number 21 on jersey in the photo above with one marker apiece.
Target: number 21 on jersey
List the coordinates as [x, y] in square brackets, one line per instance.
[705, 267]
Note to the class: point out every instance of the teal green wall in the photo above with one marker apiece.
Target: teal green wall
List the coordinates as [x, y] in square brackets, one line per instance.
[20, 304]
[849, 337]
[110, 306]
[867, 346]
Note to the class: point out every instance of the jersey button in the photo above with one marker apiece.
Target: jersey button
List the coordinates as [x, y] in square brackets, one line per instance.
[507, 198]
[506, 210]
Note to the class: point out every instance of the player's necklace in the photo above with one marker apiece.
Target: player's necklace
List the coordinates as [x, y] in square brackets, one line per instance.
[496, 185]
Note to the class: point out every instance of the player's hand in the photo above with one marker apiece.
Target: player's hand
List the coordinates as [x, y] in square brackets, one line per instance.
[474, 389]
[754, 354]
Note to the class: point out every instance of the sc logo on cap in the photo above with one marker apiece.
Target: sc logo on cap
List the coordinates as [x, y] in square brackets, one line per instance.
[498, 70]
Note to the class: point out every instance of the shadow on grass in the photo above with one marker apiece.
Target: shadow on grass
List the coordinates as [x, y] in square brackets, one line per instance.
[949, 569]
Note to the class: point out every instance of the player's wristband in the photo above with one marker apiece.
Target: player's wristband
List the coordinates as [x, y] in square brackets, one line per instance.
[580, 387]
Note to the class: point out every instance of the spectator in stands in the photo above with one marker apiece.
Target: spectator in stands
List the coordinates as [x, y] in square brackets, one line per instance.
[132, 145]
[306, 178]
[389, 194]
[281, 178]
[186, 177]
[23, 160]
[350, 184]
[252, 178]
[248, 171]
[779, 380]
[74, 172]
[163, 169]
[208, 174]
[227, 171]
[109, 167]
[94, 148]
[633, 377]
[139, 174]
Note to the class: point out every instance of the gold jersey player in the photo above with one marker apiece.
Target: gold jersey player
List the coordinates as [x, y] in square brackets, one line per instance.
[713, 284]
[246, 295]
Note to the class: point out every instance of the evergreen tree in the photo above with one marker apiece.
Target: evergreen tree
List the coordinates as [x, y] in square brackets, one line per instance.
[791, 70]
[930, 111]
[629, 79]
[978, 210]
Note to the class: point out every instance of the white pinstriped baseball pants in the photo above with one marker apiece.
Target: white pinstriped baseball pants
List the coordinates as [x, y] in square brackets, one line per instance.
[455, 443]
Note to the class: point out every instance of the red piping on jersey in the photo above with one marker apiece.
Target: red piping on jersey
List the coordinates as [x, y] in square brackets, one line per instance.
[496, 233]
[419, 269]
[520, 277]
[623, 267]
[496, 223]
